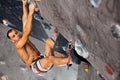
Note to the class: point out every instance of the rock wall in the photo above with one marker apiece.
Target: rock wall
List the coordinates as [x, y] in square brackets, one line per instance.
[79, 19]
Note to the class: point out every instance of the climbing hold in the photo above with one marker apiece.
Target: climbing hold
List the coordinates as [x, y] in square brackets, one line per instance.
[100, 76]
[95, 3]
[115, 29]
[37, 10]
[2, 61]
[86, 67]
[81, 50]
[23, 67]
[5, 22]
[108, 69]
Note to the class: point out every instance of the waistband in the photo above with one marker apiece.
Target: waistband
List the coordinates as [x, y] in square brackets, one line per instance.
[40, 57]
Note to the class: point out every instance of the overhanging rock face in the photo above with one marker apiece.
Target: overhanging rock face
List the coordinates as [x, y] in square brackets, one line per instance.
[79, 19]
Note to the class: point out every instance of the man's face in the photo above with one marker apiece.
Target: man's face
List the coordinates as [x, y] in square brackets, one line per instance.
[14, 36]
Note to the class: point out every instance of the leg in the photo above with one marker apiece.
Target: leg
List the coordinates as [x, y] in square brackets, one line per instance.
[50, 60]
[60, 55]
[49, 44]
[58, 61]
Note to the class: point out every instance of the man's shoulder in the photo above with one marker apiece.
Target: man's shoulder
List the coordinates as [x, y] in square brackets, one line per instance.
[16, 45]
[18, 48]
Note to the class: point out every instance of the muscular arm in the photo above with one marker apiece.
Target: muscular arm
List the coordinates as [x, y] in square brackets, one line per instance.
[25, 13]
[25, 57]
[28, 28]
[29, 61]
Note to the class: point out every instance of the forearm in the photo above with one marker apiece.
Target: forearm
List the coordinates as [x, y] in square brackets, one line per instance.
[29, 61]
[25, 12]
[58, 61]
[28, 26]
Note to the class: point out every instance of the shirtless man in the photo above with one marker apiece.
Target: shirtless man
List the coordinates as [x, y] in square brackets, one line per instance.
[27, 51]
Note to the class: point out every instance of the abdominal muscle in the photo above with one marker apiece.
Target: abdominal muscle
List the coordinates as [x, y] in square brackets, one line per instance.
[31, 51]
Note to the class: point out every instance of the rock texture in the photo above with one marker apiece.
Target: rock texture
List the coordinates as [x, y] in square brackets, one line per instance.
[77, 19]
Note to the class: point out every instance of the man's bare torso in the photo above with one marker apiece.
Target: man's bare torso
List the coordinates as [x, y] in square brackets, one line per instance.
[29, 51]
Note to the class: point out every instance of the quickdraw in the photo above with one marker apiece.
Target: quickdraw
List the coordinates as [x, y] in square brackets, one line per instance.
[69, 54]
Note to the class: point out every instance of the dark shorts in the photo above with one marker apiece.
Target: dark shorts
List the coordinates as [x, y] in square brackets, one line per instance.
[61, 45]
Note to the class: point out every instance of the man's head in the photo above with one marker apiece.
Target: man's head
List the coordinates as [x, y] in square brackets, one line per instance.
[13, 35]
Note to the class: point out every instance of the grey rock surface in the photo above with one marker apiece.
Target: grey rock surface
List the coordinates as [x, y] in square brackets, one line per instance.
[75, 19]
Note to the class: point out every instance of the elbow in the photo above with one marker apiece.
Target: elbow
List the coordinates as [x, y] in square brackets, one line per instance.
[28, 63]
[27, 33]
[50, 59]
[19, 46]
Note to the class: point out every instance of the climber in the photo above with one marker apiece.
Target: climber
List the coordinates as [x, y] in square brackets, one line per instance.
[28, 52]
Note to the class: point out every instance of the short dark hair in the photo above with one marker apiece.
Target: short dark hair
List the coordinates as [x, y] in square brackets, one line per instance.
[10, 30]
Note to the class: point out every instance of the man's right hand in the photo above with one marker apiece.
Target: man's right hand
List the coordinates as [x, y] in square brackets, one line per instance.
[24, 2]
[31, 8]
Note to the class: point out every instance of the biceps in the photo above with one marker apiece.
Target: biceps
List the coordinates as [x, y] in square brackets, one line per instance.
[24, 21]
[22, 41]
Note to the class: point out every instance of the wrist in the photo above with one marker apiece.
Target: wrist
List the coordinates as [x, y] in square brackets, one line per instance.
[24, 4]
[31, 12]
